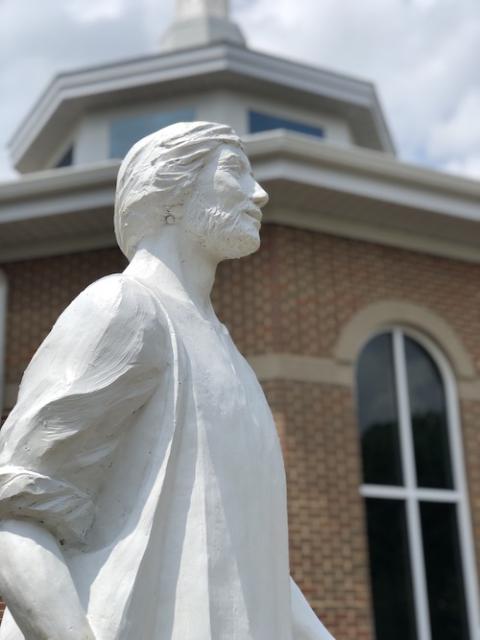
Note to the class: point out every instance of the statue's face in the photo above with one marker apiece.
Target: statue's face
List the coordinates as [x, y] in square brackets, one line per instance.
[224, 212]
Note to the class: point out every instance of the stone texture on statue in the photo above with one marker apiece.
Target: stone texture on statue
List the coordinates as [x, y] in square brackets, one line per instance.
[142, 487]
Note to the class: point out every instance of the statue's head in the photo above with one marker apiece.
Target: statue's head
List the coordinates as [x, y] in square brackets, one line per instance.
[194, 175]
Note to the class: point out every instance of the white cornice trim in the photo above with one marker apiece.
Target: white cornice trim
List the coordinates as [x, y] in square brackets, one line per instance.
[287, 366]
[58, 192]
[58, 180]
[282, 145]
[370, 197]
[293, 368]
[105, 83]
[364, 164]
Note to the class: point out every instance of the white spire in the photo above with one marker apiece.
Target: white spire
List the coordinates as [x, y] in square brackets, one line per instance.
[201, 8]
[199, 23]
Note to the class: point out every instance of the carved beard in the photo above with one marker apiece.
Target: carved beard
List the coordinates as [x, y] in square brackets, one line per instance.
[225, 235]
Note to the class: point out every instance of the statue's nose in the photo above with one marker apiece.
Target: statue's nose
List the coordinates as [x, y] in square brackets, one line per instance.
[260, 196]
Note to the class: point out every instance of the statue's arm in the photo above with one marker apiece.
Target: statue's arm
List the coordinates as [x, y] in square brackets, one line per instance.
[306, 625]
[96, 369]
[37, 586]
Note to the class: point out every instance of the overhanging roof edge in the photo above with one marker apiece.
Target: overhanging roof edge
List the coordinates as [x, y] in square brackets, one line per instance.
[276, 145]
[159, 68]
[280, 158]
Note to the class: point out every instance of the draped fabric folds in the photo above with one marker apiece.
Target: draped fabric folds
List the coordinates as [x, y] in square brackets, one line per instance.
[98, 366]
[143, 442]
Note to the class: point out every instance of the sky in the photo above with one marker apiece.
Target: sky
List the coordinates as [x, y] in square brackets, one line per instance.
[423, 56]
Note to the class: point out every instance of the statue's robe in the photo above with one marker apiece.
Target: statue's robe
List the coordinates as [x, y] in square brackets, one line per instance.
[143, 442]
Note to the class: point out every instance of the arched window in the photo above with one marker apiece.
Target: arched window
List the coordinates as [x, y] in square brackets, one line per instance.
[419, 532]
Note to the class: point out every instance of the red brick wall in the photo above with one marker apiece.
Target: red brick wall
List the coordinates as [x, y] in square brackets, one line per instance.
[39, 290]
[295, 296]
[327, 534]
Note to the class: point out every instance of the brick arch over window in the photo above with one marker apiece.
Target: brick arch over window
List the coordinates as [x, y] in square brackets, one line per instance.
[3, 321]
[380, 315]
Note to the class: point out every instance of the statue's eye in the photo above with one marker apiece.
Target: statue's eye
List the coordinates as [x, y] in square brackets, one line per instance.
[234, 168]
[232, 164]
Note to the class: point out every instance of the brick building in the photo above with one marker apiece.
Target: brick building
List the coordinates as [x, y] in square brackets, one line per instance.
[360, 313]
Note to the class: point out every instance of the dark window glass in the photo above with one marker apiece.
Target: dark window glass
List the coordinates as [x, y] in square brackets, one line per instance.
[66, 160]
[390, 570]
[429, 419]
[444, 571]
[378, 416]
[265, 122]
[124, 132]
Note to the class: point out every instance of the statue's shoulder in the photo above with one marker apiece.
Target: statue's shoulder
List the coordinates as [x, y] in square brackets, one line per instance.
[114, 315]
[115, 297]
[117, 306]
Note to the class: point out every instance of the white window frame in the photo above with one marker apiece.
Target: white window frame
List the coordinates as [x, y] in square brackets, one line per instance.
[3, 323]
[413, 495]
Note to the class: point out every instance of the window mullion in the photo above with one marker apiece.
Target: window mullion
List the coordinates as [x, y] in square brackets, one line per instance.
[463, 512]
[410, 480]
[401, 493]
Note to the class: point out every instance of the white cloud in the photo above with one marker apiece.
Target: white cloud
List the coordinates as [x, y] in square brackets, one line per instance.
[468, 166]
[458, 134]
[36, 45]
[93, 10]
[422, 55]
[425, 5]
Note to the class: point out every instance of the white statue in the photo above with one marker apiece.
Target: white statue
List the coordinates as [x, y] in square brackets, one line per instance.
[142, 487]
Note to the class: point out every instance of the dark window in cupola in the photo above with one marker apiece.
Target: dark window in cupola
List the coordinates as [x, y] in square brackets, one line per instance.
[127, 130]
[67, 159]
[266, 122]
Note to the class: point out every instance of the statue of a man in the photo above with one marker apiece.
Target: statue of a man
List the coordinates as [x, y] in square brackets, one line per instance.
[142, 487]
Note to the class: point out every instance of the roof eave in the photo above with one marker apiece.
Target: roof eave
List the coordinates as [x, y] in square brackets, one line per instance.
[71, 94]
[313, 185]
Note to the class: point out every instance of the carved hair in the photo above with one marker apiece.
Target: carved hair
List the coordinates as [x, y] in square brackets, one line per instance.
[157, 176]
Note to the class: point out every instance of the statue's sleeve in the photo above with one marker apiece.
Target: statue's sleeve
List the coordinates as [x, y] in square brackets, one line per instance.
[306, 625]
[96, 369]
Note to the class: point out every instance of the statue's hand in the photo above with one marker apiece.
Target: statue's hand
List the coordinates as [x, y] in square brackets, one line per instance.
[37, 586]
